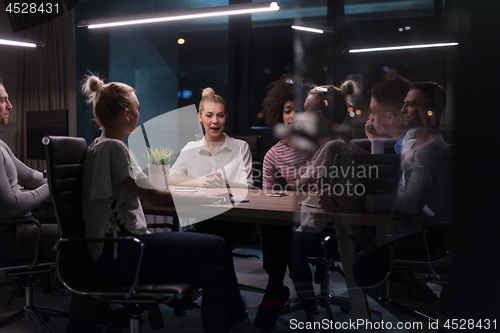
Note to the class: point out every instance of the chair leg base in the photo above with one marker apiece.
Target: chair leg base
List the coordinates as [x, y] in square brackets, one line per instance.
[389, 304]
[245, 287]
[13, 318]
[342, 302]
[135, 323]
[36, 314]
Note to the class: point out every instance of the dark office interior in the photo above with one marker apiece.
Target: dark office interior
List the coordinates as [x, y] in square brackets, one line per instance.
[239, 56]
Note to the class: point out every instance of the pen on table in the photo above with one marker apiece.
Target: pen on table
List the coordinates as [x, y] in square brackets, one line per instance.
[227, 186]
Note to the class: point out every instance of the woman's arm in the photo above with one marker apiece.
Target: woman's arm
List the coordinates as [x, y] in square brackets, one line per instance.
[269, 171]
[210, 181]
[245, 178]
[145, 190]
[247, 168]
[183, 180]
[179, 174]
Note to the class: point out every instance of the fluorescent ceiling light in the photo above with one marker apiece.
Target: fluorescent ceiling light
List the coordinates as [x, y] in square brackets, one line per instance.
[319, 29]
[403, 47]
[20, 42]
[298, 27]
[247, 8]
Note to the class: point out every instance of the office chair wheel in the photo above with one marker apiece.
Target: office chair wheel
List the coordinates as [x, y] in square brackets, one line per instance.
[179, 312]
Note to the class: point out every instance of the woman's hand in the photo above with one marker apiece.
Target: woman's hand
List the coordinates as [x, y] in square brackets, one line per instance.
[215, 197]
[214, 180]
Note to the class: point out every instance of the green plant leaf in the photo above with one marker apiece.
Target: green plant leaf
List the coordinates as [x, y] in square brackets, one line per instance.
[158, 156]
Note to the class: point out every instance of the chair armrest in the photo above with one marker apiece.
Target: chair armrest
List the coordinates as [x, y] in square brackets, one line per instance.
[161, 225]
[15, 222]
[27, 221]
[133, 240]
[444, 230]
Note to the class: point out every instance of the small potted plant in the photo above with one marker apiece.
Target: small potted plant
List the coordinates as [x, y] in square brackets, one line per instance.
[159, 166]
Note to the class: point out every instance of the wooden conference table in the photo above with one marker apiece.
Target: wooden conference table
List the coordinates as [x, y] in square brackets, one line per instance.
[285, 210]
[265, 209]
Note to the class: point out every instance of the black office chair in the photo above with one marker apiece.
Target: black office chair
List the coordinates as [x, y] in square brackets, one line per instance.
[252, 236]
[65, 157]
[405, 259]
[410, 261]
[254, 144]
[27, 274]
[367, 145]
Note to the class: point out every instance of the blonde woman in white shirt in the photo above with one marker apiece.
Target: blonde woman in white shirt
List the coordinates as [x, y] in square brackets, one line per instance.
[216, 160]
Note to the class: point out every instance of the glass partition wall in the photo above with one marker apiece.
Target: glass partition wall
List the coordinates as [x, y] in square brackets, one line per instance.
[170, 63]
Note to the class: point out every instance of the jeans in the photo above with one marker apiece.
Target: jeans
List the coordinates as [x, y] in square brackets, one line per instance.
[184, 256]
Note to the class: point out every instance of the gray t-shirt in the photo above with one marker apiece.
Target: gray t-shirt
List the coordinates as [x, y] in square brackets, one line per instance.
[109, 206]
[15, 204]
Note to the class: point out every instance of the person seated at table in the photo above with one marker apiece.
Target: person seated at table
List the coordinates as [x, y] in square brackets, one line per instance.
[215, 161]
[385, 119]
[279, 109]
[285, 159]
[424, 195]
[113, 184]
[425, 187]
[216, 153]
[329, 106]
[306, 240]
[18, 242]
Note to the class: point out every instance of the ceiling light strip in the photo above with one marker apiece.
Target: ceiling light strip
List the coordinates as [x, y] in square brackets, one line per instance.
[258, 7]
[403, 47]
[298, 27]
[16, 43]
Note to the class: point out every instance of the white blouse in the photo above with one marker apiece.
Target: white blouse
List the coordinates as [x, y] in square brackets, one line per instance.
[233, 160]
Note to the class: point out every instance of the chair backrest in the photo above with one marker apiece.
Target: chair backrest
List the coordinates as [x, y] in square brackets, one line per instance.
[254, 144]
[367, 145]
[65, 157]
[375, 173]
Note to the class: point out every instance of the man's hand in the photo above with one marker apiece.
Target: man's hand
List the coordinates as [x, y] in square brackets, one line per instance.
[370, 131]
[377, 140]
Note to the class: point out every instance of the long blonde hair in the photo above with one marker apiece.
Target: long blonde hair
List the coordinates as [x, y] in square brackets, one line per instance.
[108, 100]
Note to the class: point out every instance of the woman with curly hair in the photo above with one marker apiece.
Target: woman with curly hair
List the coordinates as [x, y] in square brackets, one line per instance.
[279, 108]
[325, 105]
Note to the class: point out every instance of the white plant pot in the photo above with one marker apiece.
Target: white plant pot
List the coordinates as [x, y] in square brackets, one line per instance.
[158, 176]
